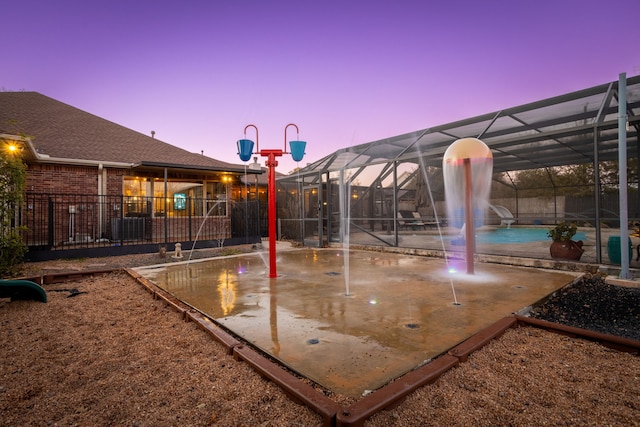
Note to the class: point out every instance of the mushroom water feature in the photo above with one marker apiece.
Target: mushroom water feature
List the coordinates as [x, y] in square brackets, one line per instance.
[467, 166]
[245, 151]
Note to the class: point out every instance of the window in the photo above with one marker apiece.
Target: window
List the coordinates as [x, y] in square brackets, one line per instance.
[146, 197]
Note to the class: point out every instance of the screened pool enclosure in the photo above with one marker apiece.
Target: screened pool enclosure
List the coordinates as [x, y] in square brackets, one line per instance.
[391, 192]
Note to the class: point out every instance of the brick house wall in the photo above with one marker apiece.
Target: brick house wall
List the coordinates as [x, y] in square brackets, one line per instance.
[71, 179]
[63, 209]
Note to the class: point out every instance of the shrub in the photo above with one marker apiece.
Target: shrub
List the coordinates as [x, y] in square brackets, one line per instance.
[12, 251]
[563, 232]
[12, 183]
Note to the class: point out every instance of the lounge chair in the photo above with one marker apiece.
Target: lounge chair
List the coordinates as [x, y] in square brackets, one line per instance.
[401, 222]
[408, 219]
[418, 220]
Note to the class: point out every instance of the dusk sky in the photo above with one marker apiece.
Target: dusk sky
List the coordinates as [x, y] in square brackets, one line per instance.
[346, 72]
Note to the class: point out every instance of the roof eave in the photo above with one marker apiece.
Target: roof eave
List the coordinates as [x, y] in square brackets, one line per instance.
[174, 166]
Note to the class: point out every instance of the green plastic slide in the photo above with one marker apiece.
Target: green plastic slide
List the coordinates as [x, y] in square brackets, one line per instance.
[22, 290]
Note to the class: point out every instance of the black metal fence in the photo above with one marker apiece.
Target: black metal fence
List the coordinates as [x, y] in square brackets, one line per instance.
[77, 223]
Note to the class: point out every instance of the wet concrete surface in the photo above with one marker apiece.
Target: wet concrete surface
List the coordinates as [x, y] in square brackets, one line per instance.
[397, 312]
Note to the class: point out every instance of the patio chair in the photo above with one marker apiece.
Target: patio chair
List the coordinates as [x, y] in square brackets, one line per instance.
[401, 222]
[417, 220]
[424, 221]
[408, 219]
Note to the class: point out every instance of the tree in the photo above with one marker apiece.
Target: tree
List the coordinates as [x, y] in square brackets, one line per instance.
[574, 180]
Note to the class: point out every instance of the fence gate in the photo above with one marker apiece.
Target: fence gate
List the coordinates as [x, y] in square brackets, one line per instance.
[312, 216]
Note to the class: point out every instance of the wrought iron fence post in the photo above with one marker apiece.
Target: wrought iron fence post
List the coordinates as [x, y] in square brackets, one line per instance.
[166, 220]
[190, 216]
[50, 223]
[121, 228]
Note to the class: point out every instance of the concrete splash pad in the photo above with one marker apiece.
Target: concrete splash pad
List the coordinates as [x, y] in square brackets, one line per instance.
[399, 315]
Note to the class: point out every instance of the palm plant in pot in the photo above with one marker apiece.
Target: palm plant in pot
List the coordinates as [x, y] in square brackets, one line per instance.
[562, 245]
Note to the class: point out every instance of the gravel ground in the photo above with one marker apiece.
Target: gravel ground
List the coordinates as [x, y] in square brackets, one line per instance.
[108, 354]
[595, 305]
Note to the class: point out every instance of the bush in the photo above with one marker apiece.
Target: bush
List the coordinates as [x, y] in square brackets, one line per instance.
[12, 251]
[12, 183]
[563, 232]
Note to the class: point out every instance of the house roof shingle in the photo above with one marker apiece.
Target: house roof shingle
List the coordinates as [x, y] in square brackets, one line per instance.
[61, 131]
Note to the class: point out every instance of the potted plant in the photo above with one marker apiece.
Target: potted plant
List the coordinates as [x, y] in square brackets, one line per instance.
[562, 245]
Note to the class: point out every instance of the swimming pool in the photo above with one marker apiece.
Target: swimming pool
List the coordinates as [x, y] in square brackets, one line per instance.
[517, 235]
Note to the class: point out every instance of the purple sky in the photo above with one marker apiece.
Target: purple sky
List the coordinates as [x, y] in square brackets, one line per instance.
[346, 72]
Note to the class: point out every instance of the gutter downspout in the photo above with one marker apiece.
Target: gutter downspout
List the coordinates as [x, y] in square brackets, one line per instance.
[101, 172]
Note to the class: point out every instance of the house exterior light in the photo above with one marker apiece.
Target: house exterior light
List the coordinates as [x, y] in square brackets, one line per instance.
[13, 147]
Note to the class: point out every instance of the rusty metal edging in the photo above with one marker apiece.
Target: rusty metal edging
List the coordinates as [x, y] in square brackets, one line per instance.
[482, 338]
[159, 293]
[62, 277]
[187, 314]
[293, 387]
[389, 395]
[47, 279]
[626, 345]
[394, 392]
[204, 323]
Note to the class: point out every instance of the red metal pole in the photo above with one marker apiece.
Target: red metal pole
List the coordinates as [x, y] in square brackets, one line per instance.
[468, 217]
[271, 190]
[271, 194]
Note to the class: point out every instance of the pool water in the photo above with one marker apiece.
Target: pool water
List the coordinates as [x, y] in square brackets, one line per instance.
[518, 235]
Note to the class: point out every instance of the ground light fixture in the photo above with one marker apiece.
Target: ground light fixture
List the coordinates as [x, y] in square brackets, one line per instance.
[245, 151]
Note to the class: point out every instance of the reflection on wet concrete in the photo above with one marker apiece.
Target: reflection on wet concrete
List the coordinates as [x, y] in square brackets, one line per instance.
[400, 312]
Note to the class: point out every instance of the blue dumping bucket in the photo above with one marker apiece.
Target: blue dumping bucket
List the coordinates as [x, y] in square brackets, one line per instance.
[613, 250]
[297, 149]
[245, 149]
